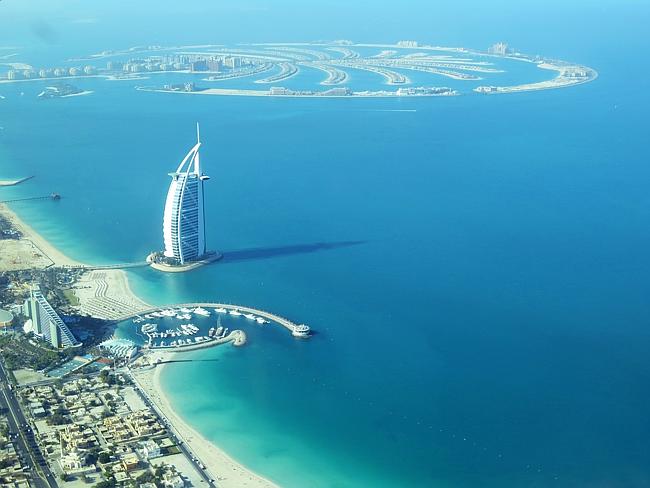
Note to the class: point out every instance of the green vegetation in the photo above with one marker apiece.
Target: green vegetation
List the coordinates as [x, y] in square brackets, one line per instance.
[146, 477]
[171, 450]
[71, 298]
[24, 351]
[107, 378]
[58, 419]
[109, 483]
[104, 458]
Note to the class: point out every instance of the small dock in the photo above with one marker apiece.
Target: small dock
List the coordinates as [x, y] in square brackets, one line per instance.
[298, 330]
[51, 196]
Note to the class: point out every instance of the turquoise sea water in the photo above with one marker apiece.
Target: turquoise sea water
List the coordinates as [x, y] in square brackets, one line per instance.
[476, 269]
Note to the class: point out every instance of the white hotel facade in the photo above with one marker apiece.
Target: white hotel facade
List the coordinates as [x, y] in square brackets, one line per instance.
[184, 216]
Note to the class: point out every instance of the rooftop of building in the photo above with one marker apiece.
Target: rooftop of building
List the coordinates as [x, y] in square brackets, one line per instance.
[5, 317]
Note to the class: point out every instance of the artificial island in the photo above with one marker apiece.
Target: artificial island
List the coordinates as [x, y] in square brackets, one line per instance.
[406, 68]
[184, 218]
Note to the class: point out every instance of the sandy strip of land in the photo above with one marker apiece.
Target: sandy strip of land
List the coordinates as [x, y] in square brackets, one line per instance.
[80, 94]
[14, 182]
[227, 472]
[56, 256]
[564, 78]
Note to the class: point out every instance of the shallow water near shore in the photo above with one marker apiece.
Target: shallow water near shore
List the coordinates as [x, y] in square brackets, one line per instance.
[476, 272]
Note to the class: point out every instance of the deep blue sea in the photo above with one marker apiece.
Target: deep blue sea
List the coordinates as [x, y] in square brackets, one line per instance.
[476, 268]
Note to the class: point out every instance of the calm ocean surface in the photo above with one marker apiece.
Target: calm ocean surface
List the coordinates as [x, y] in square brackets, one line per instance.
[476, 269]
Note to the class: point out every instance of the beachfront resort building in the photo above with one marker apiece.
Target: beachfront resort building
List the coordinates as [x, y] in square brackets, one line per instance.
[184, 216]
[45, 322]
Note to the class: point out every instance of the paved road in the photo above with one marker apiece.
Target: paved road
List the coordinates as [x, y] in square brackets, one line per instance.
[27, 448]
[172, 432]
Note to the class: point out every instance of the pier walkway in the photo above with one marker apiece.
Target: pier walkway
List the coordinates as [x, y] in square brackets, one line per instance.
[298, 330]
[51, 196]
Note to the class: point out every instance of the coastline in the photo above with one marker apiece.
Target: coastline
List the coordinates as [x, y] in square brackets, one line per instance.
[227, 472]
[29, 234]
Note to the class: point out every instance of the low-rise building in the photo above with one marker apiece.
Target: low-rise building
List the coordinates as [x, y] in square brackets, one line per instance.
[130, 461]
[149, 449]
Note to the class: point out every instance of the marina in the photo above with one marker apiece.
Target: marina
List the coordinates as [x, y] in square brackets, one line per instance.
[193, 325]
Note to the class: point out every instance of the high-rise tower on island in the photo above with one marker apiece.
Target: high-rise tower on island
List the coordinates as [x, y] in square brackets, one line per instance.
[184, 217]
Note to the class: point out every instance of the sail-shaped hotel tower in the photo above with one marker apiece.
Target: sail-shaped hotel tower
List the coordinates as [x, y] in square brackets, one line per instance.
[184, 217]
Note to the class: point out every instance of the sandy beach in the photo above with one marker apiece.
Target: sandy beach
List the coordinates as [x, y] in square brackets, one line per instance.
[227, 472]
[56, 257]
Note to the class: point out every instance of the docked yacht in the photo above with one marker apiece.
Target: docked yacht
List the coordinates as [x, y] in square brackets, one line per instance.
[202, 311]
[149, 328]
[220, 310]
[235, 312]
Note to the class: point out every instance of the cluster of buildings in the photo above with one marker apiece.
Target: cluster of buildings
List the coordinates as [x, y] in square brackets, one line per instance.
[28, 74]
[12, 471]
[332, 92]
[422, 90]
[181, 62]
[407, 44]
[195, 63]
[186, 87]
[500, 49]
[86, 426]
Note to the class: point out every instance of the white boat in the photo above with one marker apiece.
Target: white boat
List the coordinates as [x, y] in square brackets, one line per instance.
[201, 311]
[261, 321]
[250, 316]
[235, 312]
[149, 328]
[220, 310]
[186, 310]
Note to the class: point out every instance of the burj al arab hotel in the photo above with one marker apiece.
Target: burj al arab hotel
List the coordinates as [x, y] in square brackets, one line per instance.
[184, 216]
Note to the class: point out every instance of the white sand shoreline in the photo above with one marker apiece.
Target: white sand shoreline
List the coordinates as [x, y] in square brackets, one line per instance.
[226, 471]
[56, 256]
